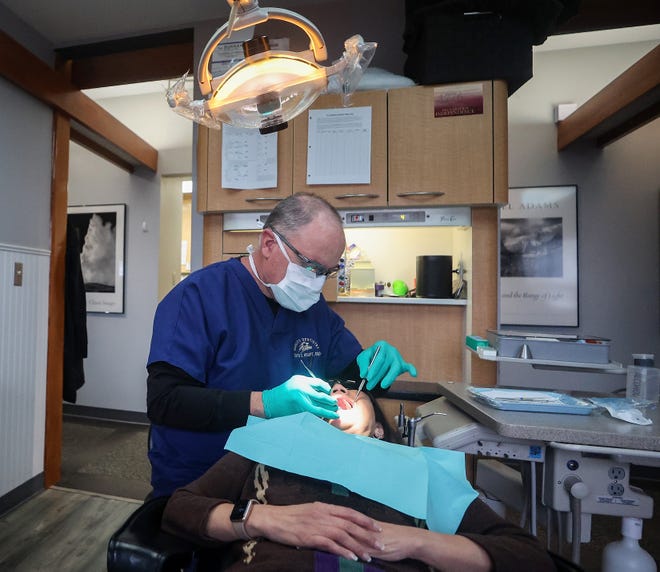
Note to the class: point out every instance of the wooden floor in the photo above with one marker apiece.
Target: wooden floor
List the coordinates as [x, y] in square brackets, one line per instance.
[61, 529]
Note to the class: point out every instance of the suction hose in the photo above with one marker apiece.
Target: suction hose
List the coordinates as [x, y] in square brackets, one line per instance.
[576, 490]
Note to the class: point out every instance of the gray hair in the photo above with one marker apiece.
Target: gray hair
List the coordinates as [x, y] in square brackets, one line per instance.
[299, 210]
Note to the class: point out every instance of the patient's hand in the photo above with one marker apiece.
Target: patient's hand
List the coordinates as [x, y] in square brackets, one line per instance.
[399, 542]
[447, 552]
[336, 529]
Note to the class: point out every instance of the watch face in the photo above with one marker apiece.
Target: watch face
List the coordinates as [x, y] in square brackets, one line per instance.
[241, 508]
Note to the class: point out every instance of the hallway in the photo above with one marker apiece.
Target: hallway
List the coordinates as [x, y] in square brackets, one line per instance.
[105, 457]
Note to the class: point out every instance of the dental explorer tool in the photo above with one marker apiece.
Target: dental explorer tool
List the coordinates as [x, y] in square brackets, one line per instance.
[364, 379]
[309, 371]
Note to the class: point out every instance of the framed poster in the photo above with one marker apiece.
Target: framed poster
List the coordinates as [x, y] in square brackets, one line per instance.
[101, 230]
[538, 257]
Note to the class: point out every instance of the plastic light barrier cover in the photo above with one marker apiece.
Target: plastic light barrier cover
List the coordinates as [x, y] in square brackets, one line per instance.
[434, 479]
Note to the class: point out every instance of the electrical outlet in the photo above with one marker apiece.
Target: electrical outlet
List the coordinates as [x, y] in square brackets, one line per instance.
[617, 473]
[18, 274]
[615, 489]
[608, 484]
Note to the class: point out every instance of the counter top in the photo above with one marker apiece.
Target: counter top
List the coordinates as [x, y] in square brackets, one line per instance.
[413, 390]
[401, 300]
[598, 428]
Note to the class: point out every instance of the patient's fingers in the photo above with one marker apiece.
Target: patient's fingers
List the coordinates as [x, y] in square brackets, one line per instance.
[339, 530]
[397, 541]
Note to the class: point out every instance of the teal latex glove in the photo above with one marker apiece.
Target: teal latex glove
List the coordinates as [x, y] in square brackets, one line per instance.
[298, 394]
[387, 366]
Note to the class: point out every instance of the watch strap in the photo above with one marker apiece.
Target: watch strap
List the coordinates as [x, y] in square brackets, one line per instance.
[238, 522]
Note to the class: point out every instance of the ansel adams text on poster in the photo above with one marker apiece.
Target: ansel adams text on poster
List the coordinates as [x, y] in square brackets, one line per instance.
[538, 257]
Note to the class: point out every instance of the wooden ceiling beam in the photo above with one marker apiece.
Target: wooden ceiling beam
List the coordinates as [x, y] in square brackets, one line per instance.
[628, 102]
[611, 14]
[150, 64]
[19, 66]
[134, 59]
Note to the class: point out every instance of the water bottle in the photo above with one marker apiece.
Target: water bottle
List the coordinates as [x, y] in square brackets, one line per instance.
[643, 380]
[626, 555]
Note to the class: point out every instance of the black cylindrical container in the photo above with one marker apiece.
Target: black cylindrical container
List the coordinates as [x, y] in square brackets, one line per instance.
[434, 276]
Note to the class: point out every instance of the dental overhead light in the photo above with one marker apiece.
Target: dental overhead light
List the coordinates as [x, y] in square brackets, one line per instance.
[269, 87]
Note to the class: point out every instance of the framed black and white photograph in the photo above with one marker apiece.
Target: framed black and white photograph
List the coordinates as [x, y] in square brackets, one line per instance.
[100, 229]
[538, 257]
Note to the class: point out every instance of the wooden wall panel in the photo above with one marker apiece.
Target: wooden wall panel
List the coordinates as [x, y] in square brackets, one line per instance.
[202, 168]
[55, 374]
[500, 143]
[485, 292]
[235, 243]
[212, 241]
[429, 337]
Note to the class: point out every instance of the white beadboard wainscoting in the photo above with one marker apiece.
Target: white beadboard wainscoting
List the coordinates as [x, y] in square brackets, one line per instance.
[23, 349]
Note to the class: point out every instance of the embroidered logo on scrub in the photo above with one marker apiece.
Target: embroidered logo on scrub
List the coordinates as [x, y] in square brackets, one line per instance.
[306, 350]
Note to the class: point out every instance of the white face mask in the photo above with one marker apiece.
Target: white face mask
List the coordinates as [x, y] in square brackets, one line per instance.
[300, 288]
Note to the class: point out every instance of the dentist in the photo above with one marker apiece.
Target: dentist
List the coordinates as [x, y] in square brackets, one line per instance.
[237, 338]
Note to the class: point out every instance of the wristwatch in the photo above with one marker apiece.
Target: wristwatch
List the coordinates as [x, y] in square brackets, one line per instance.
[239, 516]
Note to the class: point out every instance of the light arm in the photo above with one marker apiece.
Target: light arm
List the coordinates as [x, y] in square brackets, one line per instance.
[251, 15]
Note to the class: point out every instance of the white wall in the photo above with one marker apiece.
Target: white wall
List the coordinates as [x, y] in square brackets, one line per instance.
[25, 150]
[119, 343]
[618, 198]
[23, 349]
[25, 169]
[149, 116]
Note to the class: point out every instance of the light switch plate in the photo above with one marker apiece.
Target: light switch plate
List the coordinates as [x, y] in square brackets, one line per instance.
[18, 274]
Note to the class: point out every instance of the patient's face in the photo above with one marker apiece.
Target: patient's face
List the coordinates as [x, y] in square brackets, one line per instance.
[355, 417]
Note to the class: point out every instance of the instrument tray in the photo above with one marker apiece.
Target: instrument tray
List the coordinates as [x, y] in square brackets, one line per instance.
[555, 347]
[531, 400]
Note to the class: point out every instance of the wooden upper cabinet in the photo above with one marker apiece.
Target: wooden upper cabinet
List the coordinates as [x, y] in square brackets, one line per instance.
[373, 194]
[436, 158]
[213, 197]
[420, 156]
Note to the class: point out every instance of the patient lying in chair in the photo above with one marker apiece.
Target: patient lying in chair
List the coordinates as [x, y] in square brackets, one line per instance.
[303, 522]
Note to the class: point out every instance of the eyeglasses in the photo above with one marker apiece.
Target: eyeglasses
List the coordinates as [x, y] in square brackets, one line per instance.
[316, 267]
[347, 383]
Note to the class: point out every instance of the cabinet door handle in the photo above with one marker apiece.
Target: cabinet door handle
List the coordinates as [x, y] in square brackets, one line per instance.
[358, 196]
[259, 199]
[421, 194]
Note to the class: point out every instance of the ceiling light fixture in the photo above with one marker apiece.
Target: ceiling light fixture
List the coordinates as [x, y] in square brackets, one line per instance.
[269, 87]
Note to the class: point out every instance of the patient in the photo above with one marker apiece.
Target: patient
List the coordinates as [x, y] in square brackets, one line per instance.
[302, 523]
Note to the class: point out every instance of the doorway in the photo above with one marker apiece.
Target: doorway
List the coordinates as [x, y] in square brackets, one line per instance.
[174, 253]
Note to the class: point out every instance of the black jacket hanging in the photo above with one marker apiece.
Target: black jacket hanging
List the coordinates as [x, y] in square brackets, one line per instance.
[75, 318]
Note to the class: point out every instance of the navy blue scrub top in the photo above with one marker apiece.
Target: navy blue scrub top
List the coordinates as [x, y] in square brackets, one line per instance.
[218, 326]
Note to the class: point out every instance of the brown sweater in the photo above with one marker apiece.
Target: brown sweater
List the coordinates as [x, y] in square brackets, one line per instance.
[234, 477]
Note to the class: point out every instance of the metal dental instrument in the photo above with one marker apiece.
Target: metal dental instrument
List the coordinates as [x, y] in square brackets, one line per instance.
[364, 379]
[309, 371]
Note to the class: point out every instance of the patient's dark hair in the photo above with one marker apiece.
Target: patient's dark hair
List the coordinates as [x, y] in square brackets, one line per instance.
[388, 434]
[380, 417]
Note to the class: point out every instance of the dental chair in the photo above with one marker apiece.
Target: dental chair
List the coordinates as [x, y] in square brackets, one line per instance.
[141, 546]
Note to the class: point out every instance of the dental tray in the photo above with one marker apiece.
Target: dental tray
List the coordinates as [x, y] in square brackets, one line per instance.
[555, 347]
[531, 400]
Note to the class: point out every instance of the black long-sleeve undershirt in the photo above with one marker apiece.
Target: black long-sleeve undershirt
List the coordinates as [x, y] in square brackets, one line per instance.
[176, 399]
